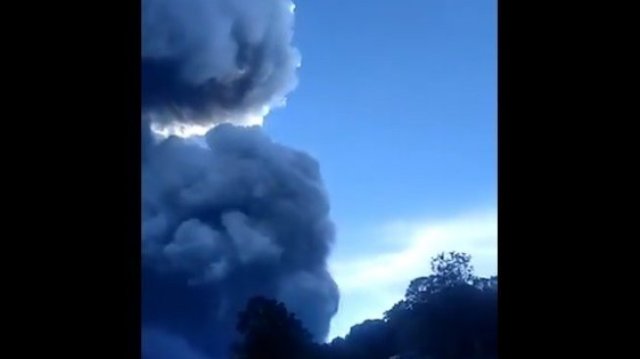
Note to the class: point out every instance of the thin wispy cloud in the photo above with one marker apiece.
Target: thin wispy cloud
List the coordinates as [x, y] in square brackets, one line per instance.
[380, 279]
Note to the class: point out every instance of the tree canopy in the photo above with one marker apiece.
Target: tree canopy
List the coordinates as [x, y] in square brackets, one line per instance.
[449, 314]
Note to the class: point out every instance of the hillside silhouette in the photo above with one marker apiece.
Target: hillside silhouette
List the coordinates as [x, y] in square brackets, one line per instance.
[450, 314]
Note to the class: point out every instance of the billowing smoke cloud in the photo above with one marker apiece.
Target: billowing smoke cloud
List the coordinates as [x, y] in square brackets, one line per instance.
[234, 215]
[237, 217]
[159, 345]
[212, 61]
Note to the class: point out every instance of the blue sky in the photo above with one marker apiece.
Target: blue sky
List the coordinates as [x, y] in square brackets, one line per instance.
[397, 101]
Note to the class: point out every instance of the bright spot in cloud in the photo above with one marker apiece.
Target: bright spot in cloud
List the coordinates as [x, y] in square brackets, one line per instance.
[371, 284]
[187, 130]
[180, 130]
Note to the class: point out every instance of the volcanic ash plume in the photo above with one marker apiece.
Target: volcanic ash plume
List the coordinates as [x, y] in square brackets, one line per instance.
[235, 215]
[211, 61]
[239, 217]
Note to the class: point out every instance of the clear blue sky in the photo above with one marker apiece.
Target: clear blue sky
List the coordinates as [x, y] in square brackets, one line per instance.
[397, 100]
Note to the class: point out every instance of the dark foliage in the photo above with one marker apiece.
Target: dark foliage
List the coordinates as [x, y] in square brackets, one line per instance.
[271, 332]
[450, 314]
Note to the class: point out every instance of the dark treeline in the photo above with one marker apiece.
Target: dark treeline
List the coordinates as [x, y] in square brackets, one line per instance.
[450, 314]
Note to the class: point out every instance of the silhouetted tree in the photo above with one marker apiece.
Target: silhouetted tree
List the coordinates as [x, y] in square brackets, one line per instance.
[450, 314]
[371, 339]
[452, 268]
[338, 349]
[271, 332]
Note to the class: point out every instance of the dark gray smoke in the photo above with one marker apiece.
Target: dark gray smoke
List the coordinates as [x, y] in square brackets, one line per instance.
[212, 61]
[237, 217]
[159, 345]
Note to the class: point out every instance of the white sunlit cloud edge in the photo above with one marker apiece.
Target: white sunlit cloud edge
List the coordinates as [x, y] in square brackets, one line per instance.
[193, 129]
[379, 280]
